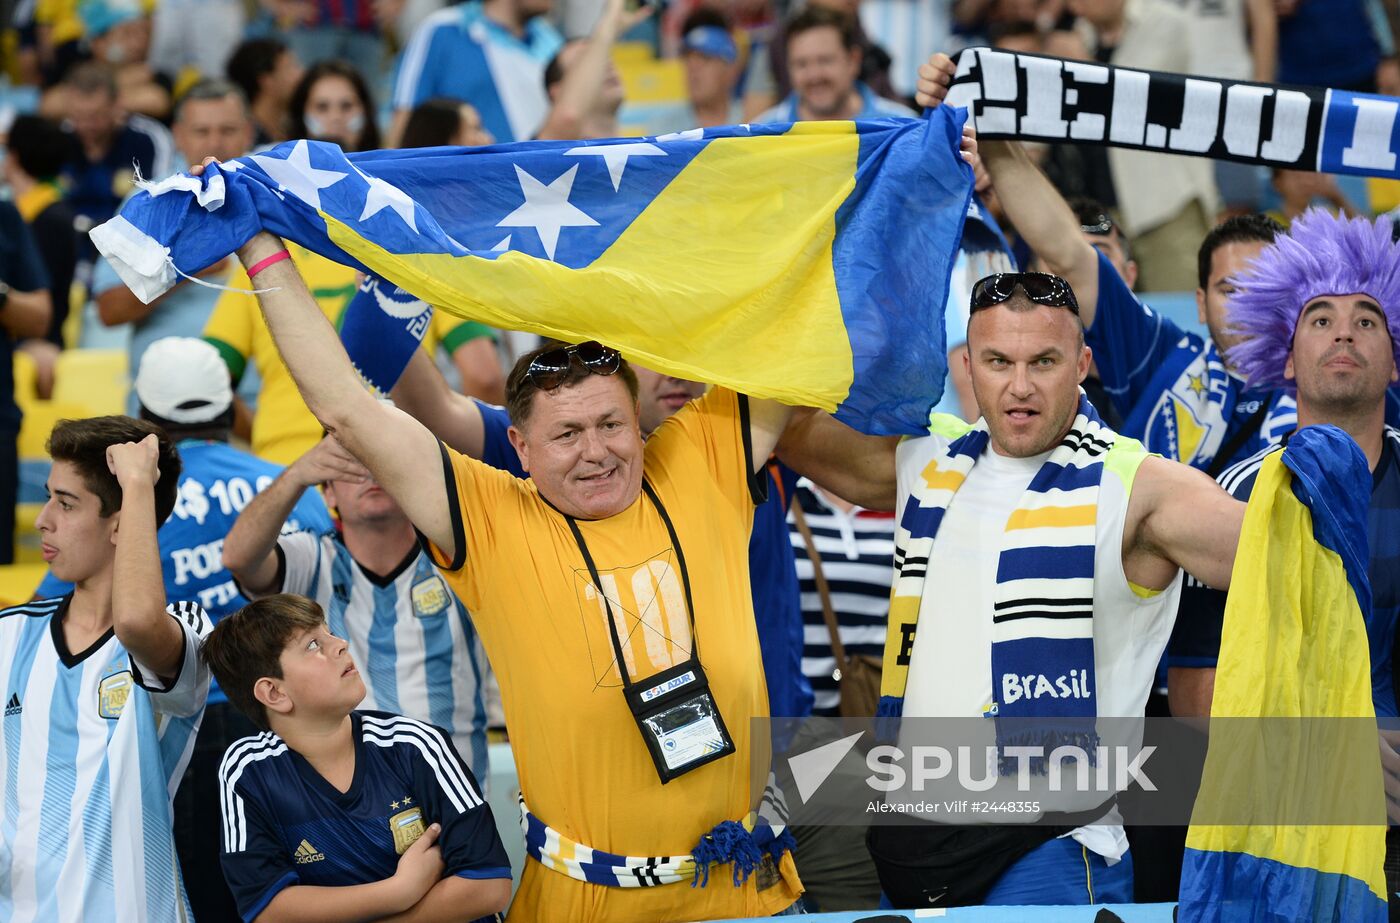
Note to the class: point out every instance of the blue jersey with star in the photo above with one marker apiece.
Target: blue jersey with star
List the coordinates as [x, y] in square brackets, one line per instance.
[284, 824]
[1173, 388]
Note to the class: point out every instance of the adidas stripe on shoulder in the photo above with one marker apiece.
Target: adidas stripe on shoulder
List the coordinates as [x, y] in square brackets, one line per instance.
[241, 755]
[35, 609]
[435, 749]
[191, 613]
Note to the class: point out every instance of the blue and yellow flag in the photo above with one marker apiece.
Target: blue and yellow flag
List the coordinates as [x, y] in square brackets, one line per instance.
[1294, 647]
[805, 262]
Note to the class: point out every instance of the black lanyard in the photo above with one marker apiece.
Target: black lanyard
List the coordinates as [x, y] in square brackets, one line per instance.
[607, 605]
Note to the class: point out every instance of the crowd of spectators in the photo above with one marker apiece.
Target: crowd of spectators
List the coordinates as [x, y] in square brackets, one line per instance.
[99, 96]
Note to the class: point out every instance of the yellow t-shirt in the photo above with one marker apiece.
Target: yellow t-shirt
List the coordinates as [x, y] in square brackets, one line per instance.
[283, 428]
[584, 768]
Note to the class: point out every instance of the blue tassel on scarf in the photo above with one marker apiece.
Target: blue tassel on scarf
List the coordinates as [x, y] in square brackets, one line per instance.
[731, 842]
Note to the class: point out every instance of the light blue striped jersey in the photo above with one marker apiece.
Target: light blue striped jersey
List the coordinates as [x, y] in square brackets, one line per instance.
[910, 30]
[461, 53]
[91, 752]
[410, 636]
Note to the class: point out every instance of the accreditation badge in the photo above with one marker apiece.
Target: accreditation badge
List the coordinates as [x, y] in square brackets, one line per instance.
[407, 827]
[679, 720]
[112, 693]
[430, 597]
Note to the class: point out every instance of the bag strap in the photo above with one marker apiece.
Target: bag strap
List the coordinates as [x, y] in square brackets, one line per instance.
[824, 591]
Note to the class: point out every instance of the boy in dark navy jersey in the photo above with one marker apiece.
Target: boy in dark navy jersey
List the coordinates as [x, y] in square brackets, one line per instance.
[333, 813]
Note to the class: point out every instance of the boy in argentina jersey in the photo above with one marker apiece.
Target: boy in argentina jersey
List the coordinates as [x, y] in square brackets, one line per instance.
[410, 634]
[103, 689]
[337, 813]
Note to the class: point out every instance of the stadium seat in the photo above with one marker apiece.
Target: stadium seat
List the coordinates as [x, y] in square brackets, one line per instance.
[18, 582]
[26, 377]
[92, 378]
[38, 423]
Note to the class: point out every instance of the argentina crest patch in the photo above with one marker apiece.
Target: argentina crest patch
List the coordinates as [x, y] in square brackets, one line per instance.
[113, 692]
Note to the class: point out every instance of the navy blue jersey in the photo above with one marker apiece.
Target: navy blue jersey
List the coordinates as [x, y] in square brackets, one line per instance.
[285, 825]
[1196, 638]
[496, 448]
[1172, 387]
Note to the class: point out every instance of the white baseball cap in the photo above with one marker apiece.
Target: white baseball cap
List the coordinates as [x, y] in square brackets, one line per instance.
[183, 380]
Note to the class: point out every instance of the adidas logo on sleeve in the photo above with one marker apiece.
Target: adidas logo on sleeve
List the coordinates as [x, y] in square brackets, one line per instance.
[13, 707]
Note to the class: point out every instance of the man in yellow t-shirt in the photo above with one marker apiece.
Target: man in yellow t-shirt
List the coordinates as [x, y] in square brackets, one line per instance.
[509, 549]
[283, 429]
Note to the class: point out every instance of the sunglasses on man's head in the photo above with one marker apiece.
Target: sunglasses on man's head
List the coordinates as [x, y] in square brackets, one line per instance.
[1039, 287]
[550, 369]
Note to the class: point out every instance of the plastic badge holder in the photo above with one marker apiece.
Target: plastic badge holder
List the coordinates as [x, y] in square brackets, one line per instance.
[679, 720]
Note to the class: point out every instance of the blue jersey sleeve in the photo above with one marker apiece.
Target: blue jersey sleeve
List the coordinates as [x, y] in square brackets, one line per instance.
[1129, 340]
[256, 866]
[450, 796]
[425, 55]
[51, 586]
[496, 448]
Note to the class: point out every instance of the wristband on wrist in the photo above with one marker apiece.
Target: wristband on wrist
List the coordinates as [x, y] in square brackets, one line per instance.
[262, 264]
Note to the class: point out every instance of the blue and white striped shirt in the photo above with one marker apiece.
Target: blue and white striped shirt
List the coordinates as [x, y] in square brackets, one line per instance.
[92, 748]
[857, 558]
[410, 635]
[461, 53]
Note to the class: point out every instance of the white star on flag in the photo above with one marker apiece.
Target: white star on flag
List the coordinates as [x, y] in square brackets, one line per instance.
[615, 156]
[384, 195]
[297, 176]
[691, 134]
[547, 208]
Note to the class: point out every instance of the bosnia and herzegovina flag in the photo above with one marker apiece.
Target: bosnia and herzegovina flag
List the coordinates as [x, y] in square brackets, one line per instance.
[805, 262]
[1294, 647]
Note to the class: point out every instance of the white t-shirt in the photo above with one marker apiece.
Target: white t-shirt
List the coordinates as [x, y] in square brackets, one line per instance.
[1218, 45]
[950, 671]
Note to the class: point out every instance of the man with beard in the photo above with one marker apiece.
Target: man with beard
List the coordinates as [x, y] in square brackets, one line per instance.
[1320, 308]
[823, 62]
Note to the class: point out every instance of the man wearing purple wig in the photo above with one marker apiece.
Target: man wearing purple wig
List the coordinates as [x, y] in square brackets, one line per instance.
[1319, 313]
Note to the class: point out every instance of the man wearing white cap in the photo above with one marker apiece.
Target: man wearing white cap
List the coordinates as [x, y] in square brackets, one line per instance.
[183, 386]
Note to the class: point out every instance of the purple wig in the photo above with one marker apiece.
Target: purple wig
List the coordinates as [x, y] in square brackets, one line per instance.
[1322, 254]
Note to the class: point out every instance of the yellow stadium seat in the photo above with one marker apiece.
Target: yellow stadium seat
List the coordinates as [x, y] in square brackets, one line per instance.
[648, 81]
[39, 420]
[629, 53]
[92, 378]
[19, 581]
[26, 535]
[26, 378]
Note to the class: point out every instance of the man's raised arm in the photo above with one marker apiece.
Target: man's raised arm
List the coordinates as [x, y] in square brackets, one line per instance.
[856, 467]
[399, 451]
[1040, 214]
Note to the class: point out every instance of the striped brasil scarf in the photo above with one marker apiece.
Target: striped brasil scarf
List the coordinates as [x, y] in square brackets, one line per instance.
[1043, 684]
